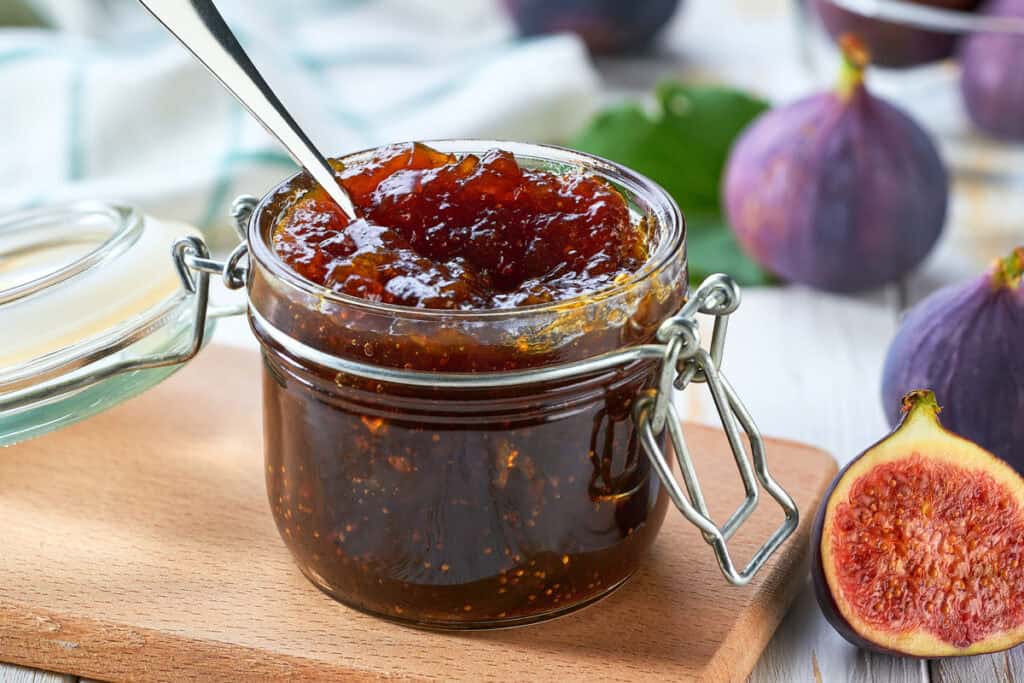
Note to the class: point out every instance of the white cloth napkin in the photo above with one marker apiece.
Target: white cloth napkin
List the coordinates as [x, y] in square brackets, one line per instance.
[106, 105]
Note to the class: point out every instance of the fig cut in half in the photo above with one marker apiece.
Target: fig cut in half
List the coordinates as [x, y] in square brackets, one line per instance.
[919, 547]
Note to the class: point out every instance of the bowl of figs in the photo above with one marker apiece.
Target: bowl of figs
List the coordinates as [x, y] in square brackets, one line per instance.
[957, 68]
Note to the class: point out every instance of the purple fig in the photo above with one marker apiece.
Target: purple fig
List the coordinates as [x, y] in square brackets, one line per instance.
[964, 342]
[606, 26]
[916, 549]
[891, 44]
[992, 77]
[841, 190]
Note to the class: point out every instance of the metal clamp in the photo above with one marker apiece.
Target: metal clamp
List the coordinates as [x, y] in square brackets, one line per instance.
[194, 266]
[190, 254]
[685, 361]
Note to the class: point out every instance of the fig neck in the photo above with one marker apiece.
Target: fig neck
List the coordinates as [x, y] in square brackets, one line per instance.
[851, 71]
[1007, 272]
[920, 404]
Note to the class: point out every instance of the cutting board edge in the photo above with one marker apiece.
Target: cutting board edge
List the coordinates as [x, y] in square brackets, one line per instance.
[739, 660]
[155, 655]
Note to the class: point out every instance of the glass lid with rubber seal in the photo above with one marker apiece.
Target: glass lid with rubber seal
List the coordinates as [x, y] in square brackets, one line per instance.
[92, 312]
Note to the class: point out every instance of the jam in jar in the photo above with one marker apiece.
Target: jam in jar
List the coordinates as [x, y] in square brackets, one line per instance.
[453, 506]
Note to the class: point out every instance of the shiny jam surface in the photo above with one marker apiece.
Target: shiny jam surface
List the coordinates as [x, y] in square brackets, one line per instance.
[467, 508]
[461, 232]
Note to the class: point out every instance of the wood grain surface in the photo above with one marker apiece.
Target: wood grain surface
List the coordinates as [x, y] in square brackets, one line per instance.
[1001, 667]
[138, 544]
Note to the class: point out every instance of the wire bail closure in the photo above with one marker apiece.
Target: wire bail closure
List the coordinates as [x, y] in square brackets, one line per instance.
[683, 361]
[194, 266]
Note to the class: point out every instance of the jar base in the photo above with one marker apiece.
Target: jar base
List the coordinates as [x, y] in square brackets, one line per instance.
[482, 625]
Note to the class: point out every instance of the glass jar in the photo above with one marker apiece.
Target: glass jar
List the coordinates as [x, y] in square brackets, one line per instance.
[463, 508]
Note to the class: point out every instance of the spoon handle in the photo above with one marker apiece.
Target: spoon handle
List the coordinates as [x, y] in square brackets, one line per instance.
[202, 30]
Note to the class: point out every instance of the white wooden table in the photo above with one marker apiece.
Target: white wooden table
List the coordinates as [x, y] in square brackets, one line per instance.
[807, 364]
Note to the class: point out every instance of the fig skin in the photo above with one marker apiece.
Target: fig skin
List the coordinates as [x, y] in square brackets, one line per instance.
[840, 191]
[991, 79]
[891, 44]
[919, 432]
[606, 26]
[964, 341]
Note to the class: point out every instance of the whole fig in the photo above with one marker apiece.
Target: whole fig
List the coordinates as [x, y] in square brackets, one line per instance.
[965, 341]
[891, 44]
[916, 549]
[841, 190]
[992, 75]
[606, 26]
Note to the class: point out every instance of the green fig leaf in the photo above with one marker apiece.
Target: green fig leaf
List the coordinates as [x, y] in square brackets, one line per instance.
[711, 248]
[684, 145]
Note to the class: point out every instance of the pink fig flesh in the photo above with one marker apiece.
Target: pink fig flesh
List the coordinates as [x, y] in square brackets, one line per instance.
[920, 544]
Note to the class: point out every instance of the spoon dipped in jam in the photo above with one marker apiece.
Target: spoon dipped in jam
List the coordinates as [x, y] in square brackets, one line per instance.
[202, 30]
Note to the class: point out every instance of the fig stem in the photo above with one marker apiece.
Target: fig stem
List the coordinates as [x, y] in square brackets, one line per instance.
[921, 401]
[1007, 272]
[855, 60]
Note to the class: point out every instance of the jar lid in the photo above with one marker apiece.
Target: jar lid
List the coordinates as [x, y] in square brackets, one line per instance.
[85, 288]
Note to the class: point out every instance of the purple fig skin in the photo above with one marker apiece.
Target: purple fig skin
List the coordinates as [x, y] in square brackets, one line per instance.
[891, 44]
[606, 26]
[965, 342]
[992, 77]
[839, 193]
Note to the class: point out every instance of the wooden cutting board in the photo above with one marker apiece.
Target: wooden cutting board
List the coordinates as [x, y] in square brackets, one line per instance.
[139, 545]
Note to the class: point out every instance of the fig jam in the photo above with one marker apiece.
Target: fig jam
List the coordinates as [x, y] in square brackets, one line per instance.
[461, 508]
[443, 231]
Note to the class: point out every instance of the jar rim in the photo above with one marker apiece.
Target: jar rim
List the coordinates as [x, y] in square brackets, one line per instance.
[670, 242]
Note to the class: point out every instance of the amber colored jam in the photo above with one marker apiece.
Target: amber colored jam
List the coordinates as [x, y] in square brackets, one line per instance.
[467, 508]
[467, 232]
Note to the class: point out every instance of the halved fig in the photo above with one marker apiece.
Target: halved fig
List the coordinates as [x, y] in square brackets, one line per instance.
[919, 547]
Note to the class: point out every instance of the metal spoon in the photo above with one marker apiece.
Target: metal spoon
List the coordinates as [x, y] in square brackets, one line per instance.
[201, 29]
